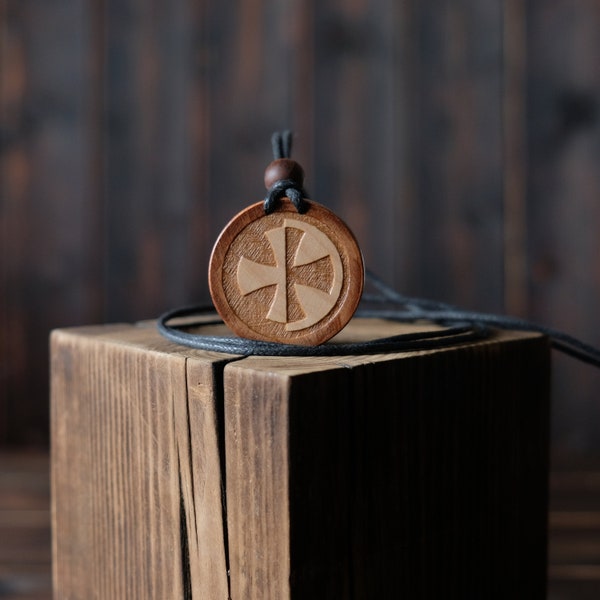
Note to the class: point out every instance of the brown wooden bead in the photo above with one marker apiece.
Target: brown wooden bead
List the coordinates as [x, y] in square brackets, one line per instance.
[286, 277]
[283, 168]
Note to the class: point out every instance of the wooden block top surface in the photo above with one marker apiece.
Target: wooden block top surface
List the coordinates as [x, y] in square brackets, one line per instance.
[142, 336]
[145, 337]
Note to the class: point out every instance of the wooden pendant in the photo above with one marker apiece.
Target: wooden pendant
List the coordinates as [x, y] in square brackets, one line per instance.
[286, 277]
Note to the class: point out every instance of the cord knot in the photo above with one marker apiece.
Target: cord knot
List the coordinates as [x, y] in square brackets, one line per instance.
[284, 177]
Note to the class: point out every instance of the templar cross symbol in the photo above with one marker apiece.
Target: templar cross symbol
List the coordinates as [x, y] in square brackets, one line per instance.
[313, 246]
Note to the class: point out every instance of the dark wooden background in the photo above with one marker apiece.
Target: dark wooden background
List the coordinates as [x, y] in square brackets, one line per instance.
[459, 139]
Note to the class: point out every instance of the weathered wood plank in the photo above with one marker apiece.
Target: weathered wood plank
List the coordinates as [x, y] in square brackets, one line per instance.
[254, 50]
[258, 513]
[14, 170]
[360, 151]
[150, 168]
[129, 474]
[515, 166]
[50, 213]
[458, 139]
[563, 210]
[198, 423]
[391, 473]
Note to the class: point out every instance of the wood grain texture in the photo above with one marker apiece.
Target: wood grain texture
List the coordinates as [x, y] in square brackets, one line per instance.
[383, 481]
[146, 161]
[49, 209]
[460, 196]
[515, 157]
[401, 477]
[401, 474]
[136, 494]
[564, 186]
[202, 478]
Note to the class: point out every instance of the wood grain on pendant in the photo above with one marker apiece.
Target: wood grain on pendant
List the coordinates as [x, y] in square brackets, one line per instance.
[286, 277]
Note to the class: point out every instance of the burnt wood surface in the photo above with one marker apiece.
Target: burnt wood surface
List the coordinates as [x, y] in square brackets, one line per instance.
[458, 139]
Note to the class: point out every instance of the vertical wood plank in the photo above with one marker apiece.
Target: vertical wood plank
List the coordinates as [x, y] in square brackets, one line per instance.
[459, 144]
[359, 167]
[203, 57]
[514, 101]
[14, 175]
[49, 208]
[115, 470]
[149, 166]
[395, 483]
[201, 464]
[256, 438]
[564, 212]
[253, 80]
[136, 479]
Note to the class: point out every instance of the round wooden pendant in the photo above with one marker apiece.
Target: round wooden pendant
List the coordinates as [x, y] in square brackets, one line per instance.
[286, 277]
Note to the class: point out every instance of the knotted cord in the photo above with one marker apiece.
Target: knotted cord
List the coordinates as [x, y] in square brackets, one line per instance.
[461, 327]
[282, 148]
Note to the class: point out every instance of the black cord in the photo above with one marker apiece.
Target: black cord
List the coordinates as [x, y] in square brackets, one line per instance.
[282, 148]
[286, 188]
[460, 327]
[282, 144]
[445, 313]
[406, 342]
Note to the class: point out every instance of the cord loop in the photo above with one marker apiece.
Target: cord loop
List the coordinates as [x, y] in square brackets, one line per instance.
[289, 188]
[461, 327]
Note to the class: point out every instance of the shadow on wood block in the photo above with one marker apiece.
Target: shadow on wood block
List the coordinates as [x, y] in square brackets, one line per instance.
[414, 475]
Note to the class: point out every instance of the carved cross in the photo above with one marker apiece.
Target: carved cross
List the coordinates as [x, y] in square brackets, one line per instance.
[314, 245]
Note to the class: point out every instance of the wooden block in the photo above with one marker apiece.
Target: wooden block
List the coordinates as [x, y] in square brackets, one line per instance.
[186, 474]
